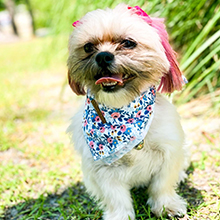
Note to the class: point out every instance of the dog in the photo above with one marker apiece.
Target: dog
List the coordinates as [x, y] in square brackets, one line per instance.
[128, 133]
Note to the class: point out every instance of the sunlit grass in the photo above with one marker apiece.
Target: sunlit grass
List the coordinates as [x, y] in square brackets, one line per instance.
[35, 157]
[23, 79]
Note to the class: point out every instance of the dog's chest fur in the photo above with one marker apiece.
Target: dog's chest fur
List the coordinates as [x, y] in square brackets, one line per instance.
[137, 166]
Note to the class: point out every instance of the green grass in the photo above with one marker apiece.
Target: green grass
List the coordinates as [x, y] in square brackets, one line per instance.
[35, 155]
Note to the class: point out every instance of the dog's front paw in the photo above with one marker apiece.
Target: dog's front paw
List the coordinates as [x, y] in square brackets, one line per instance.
[172, 205]
[120, 215]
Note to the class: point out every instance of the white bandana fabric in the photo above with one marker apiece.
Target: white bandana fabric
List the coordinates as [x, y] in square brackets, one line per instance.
[125, 127]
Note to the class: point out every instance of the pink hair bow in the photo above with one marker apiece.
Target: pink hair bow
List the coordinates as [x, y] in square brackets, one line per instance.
[74, 24]
[142, 13]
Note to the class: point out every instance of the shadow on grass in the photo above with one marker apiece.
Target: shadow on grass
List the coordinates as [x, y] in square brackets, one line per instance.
[75, 204]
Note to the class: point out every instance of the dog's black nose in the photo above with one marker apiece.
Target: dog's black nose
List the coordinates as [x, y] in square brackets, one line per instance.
[104, 59]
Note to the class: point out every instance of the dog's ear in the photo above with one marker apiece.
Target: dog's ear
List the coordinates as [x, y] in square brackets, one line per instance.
[76, 87]
[173, 79]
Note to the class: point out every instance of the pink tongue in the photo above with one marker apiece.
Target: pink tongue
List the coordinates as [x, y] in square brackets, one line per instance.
[113, 78]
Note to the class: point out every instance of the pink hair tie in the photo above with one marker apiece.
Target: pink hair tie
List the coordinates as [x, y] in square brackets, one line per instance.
[142, 13]
[76, 23]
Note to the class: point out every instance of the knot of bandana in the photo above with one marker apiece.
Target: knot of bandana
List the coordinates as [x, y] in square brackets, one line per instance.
[125, 127]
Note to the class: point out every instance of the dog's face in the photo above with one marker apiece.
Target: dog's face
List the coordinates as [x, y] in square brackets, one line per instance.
[116, 55]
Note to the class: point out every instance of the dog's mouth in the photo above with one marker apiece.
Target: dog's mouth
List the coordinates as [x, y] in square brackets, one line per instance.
[111, 81]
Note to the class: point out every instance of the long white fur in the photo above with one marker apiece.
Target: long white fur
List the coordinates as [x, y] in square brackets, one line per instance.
[159, 165]
[162, 158]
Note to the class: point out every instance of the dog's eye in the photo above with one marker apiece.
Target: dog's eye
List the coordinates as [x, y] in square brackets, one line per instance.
[128, 44]
[89, 47]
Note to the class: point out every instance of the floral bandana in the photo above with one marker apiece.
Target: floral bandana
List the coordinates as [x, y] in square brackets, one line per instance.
[124, 129]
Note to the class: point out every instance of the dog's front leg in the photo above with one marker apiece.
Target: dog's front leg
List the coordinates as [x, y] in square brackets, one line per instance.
[117, 201]
[162, 195]
[112, 192]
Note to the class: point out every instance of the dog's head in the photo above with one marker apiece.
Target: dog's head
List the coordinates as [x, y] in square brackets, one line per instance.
[119, 53]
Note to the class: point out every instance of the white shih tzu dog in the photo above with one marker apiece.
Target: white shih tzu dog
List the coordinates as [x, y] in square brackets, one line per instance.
[128, 136]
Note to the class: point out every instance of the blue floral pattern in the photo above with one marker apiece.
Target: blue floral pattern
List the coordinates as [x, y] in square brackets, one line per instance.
[125, 128]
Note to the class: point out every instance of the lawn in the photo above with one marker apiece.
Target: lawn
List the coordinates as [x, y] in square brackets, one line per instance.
[40, 172]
